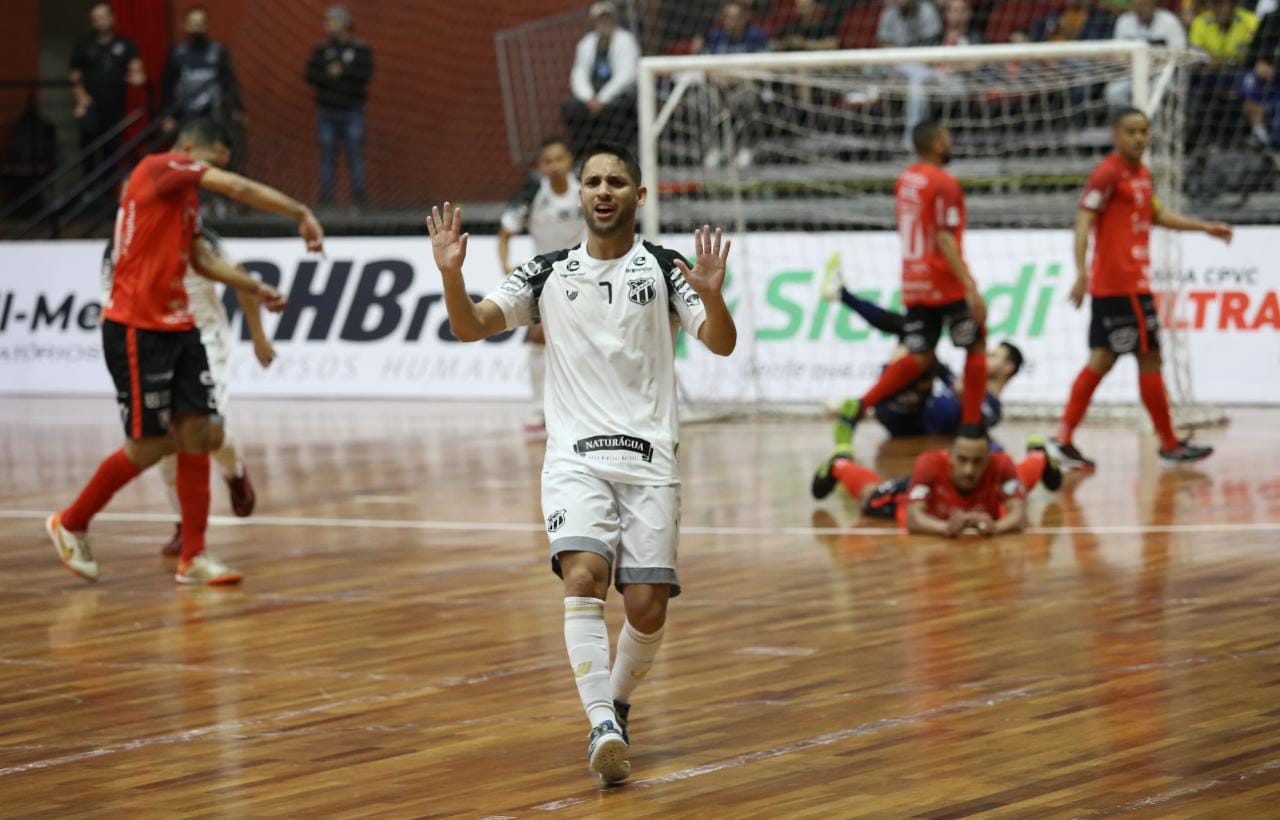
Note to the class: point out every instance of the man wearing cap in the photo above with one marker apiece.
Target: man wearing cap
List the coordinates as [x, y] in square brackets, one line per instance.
[603, 82]
[340, 69]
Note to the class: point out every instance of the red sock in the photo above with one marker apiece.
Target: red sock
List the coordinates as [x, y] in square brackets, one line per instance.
[1151, 386]
[115, 471]
[1031, 468]
[896, 376]
[854, 476]
[1081, 392]
[193, 499]
[975, 387]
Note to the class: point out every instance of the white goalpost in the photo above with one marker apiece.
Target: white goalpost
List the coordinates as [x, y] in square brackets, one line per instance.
[796, 154]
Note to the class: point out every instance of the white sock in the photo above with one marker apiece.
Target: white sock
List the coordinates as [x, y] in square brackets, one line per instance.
[169, 474]
[587, 639]
[537, 375]
[227, 459]
[636, 652]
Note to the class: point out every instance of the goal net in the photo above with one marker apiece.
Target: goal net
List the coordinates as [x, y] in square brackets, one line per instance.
[796, 155]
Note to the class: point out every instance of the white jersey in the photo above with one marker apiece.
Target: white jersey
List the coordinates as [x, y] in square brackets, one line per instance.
[611, 379]
[553, 220]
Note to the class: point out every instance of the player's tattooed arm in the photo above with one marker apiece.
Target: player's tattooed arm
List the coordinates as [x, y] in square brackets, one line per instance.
[706, 277]
[210, 265]
[1014, 518]
[470, 321]
[265, 198]
[920, 522]
[950, 250]
[1084, 227]
[1180, 222]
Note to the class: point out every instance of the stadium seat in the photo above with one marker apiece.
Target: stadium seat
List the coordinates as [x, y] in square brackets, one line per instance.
[858, 28]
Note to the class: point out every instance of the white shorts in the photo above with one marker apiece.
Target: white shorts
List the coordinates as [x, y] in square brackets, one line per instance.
[217, 349]
[635, 527]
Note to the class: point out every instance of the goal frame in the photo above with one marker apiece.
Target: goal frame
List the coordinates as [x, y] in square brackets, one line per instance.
[684, 72]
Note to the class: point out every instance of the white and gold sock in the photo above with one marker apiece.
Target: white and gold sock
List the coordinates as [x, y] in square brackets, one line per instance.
[587, 639]
[636, 652]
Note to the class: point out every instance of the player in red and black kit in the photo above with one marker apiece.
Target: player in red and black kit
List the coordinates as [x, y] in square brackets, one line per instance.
[153, 350]
[968, 487]
[937, 288]
[1119, 207]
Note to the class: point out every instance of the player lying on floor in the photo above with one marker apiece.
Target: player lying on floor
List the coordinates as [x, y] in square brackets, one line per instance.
[967, 487]
[932, 404]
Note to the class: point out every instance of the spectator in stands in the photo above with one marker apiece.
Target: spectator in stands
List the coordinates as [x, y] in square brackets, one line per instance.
[907, 23]
[1259, 88]
[198, 77]
[102, 66]
[1077, 20]
[733, 34]
[603, 82]
[1145, 21]
[1223, 33]
[340, 69]
[957, 24]
[904, 24]
[810, 28]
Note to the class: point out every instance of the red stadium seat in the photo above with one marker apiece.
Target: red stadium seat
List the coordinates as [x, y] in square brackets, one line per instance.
[1015, 15]
[858, 28]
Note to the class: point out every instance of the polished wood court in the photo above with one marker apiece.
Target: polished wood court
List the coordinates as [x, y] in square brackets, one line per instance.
[396, 649]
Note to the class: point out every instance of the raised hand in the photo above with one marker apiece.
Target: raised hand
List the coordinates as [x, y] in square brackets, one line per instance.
[311, 232]
[270, 298]
[1220, 230]
[706, 277]
[448, 243]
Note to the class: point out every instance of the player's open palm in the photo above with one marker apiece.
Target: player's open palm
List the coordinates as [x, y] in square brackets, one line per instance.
[448, 242]
[706, 277]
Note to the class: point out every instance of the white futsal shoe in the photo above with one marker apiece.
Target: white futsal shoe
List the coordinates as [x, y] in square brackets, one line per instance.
[607, 753]
[73, 550]
[205, 569]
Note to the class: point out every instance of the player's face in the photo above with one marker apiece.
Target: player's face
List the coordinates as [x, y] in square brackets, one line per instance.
[1131, 136]
[555, 161]
[969, 458]
[998, 361]
[609, 196]
[943, 144]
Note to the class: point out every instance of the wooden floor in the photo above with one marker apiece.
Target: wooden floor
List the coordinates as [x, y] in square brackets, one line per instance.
[397, 648]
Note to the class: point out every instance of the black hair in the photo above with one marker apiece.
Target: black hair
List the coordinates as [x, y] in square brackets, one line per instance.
[550, 141]
[1015, 355]
[973, 431]
[1124, 113]
[205, 132]
[614, 149]
[924, 135]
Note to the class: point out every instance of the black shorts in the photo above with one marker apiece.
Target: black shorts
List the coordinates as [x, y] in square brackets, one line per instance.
[1125, 324]
[923, 327]
[883, 503]
[157, 373]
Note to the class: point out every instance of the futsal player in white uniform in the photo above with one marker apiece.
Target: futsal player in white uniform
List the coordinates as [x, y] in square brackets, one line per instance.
[610, 481]
[549, 209]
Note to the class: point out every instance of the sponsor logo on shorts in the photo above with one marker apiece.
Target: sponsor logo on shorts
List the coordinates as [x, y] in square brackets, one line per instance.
[641, 291]
[1123, 339]
[586, 446]
[156, 400]
[692, 298]
[555, 521]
